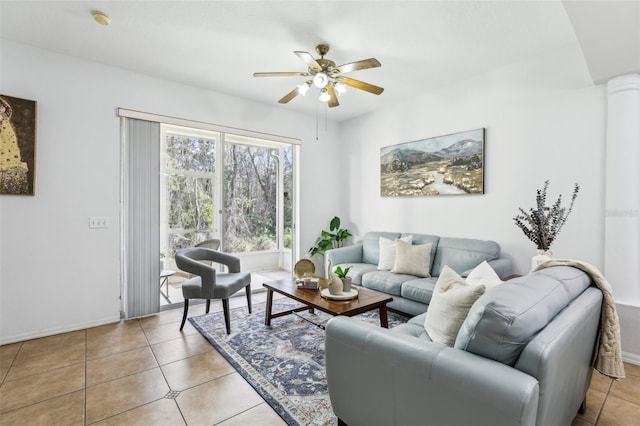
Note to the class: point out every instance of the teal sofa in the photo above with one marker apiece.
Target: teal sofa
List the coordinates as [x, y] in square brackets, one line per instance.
[523, 357]
[411, 294]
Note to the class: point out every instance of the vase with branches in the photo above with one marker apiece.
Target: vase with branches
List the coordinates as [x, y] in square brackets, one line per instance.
[542, 224]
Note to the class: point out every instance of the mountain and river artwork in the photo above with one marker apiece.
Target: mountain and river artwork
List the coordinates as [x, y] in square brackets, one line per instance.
[442, 165]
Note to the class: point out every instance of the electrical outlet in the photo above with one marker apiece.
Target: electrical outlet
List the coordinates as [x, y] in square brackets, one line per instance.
[98, 222]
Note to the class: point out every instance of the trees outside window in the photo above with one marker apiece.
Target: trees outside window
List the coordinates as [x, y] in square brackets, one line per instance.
[189, 179]
[248, 180]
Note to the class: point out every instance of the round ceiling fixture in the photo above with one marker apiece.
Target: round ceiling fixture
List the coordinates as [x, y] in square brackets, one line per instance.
[320, 80]
[101, 17]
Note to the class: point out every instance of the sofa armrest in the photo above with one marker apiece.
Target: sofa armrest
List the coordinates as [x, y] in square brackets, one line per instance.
[378, 377]
[502, 266]
[348, 254]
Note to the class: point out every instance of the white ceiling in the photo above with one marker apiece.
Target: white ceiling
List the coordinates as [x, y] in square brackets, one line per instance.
[217, 45]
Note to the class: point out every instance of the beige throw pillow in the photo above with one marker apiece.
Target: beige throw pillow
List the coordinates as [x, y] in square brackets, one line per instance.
[452, 298]
[412, 260]
[485, 275]
[388, 251]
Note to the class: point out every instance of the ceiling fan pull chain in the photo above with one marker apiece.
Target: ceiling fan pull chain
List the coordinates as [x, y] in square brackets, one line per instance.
[326, 127]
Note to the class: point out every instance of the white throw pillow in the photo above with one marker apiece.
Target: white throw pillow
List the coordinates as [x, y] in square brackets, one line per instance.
[452, 298]
[388, 251]
[412, 260]
[485, 275]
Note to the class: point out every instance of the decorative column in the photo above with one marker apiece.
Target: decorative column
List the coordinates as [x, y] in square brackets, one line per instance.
[622, 190]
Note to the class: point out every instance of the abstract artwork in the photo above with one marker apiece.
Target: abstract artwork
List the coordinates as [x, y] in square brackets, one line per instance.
[442, 165]
[17, 145]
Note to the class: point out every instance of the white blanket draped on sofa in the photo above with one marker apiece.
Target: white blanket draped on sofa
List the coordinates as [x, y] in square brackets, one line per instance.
[609, 356]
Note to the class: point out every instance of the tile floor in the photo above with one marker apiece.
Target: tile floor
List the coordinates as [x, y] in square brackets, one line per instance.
[146, 372]
[137, 372]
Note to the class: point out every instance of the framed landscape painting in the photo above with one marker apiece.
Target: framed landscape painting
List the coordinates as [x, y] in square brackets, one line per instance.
[17, 145]
[443, 165]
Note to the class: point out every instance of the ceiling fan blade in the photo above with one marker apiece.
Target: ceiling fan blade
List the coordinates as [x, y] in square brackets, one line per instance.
[361, 85]
[286, 98]
[333, 102]
[308, 59]
[359, 65]
[281, 74]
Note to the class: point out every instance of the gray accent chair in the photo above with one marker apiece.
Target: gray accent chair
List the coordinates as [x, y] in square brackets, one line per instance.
[213, 244]
[523, 356]
[208, 283]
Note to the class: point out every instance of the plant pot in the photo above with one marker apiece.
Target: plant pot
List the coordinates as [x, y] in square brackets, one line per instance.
[542, 256]
[346, 284]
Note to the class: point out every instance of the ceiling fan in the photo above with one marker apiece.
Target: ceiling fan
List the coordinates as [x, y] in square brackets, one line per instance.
[326, 76]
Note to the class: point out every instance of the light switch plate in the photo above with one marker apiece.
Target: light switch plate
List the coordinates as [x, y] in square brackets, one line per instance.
[98, 222]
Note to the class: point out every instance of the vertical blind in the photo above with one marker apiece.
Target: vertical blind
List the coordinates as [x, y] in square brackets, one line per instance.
[142, 217]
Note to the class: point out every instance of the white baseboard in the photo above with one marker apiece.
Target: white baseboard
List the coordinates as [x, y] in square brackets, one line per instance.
[629, 316]
[58, 330]
[631, 358]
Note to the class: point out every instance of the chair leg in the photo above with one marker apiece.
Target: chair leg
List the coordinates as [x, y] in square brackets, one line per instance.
[184, 315]
[248, 290]
[208, 305]
[227, 317]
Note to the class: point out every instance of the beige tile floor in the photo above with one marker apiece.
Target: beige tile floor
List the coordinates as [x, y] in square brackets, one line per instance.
[137, 372]
[147, 372]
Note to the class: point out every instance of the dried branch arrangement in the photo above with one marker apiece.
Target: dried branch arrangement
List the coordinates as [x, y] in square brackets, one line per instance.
[543, 224]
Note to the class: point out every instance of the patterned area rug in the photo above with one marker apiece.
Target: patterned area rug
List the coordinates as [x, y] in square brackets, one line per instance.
[285, 362]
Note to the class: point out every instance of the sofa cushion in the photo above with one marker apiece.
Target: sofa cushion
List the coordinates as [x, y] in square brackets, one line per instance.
[414, 328]
[485, 275]
[385, 281]
[371, 245]
[461, 254]
[504, 320]
[412, 260]
[357, 271]
[425, 239]
[452, 299]
[419, 290]
[387, 253]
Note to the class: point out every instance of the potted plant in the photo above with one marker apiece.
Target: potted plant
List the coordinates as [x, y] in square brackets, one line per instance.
[333, 238]
[342, 274]
[543, 224]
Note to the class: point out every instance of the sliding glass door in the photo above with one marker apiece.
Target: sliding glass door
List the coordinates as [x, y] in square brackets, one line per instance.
[257, 199]
[216, 186]
[190, 194]
[232, 189]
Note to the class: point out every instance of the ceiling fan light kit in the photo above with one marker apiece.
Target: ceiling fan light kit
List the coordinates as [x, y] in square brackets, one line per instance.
[320, 80]
[324, 96]
[304, 88]
[326, 76]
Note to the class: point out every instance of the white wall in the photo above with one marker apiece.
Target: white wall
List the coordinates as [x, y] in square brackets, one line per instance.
[544, 119]
[55, 273]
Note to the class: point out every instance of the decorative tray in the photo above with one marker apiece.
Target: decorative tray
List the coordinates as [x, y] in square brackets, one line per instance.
[345, 295]
[304, 267]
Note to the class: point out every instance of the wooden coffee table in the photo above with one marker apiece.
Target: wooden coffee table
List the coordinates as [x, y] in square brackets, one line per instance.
[367, 300]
